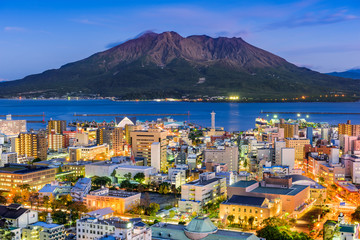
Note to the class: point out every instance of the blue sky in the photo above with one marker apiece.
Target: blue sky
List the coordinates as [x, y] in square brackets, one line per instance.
[40, 35]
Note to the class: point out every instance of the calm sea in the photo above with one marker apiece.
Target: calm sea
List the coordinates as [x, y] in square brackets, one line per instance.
[231, 116]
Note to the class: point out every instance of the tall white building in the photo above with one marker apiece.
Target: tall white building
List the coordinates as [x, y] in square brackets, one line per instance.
[278, 146]
[96, 228]
[288, 157]
[196, 194]
[156, 155]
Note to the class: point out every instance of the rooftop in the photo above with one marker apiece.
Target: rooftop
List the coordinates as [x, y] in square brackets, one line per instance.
[135, 167]
[245, 200]
[243, 183]
[45, 225]
[294, 190]
[22, 168]
[12, 211]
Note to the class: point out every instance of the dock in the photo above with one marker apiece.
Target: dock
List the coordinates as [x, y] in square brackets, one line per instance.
[129, 114]
[309, 113]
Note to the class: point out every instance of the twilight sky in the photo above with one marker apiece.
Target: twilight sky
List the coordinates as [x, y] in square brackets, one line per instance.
[323, 35]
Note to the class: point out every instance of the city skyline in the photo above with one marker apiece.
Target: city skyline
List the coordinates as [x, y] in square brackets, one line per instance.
[40, 36]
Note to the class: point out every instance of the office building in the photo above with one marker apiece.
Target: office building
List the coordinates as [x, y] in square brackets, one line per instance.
[349, 129]
[141, 142]
[309, 134]
[87, 153]
[8, 157]
[14, 175]
[226, 154]
[298, 145]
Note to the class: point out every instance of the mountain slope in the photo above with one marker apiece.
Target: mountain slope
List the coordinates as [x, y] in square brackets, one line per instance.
[168, 65]
[353, 73]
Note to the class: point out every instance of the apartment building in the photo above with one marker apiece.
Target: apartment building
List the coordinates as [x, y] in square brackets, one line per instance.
[298, 144]
[224, 154]
[196, 194]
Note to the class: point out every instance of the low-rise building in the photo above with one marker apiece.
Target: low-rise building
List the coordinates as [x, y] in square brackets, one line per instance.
[125, 169]
[244, 207]
[292, 196]
[119, 201]
[98, 228]
[14, 175]
[44, 231]
[17, 215]
[196, 194]
[55, 190]
[198, 228]
[87, 153]
[80, 189]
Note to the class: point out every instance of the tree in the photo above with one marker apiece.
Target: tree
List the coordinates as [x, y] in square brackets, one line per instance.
[152, 209]
[139, 177]
[251, 221]
[171, 213]
[231, 218]
[113, 174]
[36, 160]
[76, 208]
[164, 188]
[46, 202]
[5, 231]
[128, 176]
[101, 181]
[59, 217]
[3, 199]
[355, 216]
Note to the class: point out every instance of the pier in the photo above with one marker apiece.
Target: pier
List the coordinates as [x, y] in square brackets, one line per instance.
[324, 113]
[129, 114]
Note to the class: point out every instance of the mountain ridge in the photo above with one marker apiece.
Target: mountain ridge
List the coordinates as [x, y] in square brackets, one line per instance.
[169, 65]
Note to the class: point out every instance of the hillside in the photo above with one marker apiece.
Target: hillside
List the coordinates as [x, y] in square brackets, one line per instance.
[169, 65]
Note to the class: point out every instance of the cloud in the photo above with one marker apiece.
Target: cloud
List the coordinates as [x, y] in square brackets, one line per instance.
[321, 49]
[14, 29]
[86, 21]
[313, 18]
[3, 80]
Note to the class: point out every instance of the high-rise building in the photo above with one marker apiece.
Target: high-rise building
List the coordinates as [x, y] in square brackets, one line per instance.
[227, 154]
[141, 145]
[31, 145]
[113, 136]
[57, 141]
[299, 145]
[11, 127]
[309, 134]
[349, 129]
[56, 126]
[290, 130]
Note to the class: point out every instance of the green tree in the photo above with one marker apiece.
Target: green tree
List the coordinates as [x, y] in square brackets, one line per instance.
[231, 218]
[171, 213]
[128, 176]
[59, 217]
[101, 181]
[251, 221]
[3, 199]
[152, 209]
[5, 232]
[139, 177]
[164, 188]
[36, 160]
[355, 216]
[113, 174]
